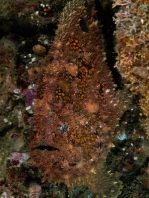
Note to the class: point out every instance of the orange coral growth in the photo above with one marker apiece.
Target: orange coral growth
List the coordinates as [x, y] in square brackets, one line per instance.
[144, 1]
[78, 112]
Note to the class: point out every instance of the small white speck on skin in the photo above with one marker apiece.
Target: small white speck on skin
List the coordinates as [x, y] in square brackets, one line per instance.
[30, 87]
[17, 91]
[5, 120]
[142, 21]
[107, 90]
[33, 59]
[135, 158]
[45, 42]
[27, 108]
[41, 4]
[131, 144]
[37, 12]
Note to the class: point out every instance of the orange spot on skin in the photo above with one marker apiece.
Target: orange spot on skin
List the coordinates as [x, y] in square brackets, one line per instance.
[91, 107]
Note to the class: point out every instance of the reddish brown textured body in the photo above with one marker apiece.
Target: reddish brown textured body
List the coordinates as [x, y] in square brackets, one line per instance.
[78, 111]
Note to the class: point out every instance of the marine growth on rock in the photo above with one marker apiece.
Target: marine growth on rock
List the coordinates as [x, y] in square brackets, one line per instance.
[132, 46]
[77, 108]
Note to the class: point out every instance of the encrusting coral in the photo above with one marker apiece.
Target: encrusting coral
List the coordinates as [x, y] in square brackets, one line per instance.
[132, 46]
[77, 109]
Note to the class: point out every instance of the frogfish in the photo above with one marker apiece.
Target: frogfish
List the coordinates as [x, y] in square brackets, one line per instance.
[77, 108]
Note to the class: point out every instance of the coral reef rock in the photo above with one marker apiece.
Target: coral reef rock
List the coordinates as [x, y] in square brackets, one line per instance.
[132, 36]
[77, 108]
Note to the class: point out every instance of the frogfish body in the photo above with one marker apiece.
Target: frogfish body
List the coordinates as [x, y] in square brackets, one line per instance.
[77, 108]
